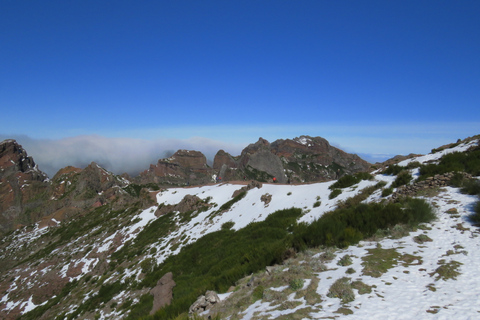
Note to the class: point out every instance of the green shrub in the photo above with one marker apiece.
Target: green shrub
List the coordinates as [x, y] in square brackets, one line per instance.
[217, 260]
[342, 289]
[317, 204]
[471, 187]
[453, 162]
[296, 284]
[403, 178]
[386, 192]
[258, 293]
[228, 225]
[393, 169]
[359, 197]
[347, 226]
[349, 180]
[335, 193]
[346, 260]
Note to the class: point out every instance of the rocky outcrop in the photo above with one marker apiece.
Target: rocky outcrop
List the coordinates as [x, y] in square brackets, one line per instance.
[437, 181]
[250, 186]
[204, 302]
[188, 203]
[183, 167]
[162, 292]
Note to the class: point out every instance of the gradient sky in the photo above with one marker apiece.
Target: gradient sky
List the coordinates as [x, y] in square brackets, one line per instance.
[372, 77]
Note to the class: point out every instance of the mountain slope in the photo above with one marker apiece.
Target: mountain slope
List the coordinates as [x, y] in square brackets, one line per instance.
[104, 263]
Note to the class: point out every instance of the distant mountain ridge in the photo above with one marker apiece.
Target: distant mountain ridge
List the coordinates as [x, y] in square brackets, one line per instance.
[303, 159]
[27, 195]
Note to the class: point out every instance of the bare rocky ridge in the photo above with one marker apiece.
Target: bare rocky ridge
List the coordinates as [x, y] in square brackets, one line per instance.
[303, 159]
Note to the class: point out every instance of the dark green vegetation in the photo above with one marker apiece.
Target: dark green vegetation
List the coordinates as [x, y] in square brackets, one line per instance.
[134, 189]
[217, 260]
[468, 162]
[349, 180]
[403, 178]
[347, 226]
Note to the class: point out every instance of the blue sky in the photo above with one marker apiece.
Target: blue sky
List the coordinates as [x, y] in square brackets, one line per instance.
[372, 77]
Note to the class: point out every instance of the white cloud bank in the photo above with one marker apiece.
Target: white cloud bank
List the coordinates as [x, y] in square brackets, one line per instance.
[117, 155]
[373, 142]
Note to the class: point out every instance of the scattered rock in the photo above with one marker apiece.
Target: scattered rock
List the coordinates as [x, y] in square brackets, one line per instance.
[266, 198]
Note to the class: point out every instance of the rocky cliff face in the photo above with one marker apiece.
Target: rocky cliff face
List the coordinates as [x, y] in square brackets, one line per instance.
[21, 183]
[303, 159]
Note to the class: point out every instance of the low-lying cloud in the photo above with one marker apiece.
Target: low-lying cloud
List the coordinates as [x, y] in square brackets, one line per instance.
[118, 155]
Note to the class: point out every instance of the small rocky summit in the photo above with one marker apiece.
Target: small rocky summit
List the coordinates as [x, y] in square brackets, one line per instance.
[183, 167]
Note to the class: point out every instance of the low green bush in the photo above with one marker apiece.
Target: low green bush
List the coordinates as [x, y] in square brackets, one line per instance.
[228, 225]
[349, 180]
[386, 192]
[296, 284]
[393, 169]
[403, 178]
[335, 193]
[453, 162]
[347, 226]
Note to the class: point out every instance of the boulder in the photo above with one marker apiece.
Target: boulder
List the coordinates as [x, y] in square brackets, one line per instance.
[204, 302]
[162, 292]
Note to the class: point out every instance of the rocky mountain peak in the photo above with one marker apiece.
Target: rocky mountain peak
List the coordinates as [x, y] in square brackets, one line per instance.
[14, 160]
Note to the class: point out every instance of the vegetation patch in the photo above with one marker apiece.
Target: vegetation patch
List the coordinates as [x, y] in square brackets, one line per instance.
[296, 284]
[227, 205]
[361, 196]
[378, 261]
[335, 193]
[468, 162]
[403, 178]
[347, 226]
[447, 270]
[422, 238]
[342, 289]
[349, 180]
[362, 287]
[346, 260]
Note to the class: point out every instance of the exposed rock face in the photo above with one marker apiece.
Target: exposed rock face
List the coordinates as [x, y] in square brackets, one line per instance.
[163, 292]
[184, 167]
[303, 159]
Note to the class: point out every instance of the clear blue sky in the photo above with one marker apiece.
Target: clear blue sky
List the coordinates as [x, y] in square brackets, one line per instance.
[377, 77]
